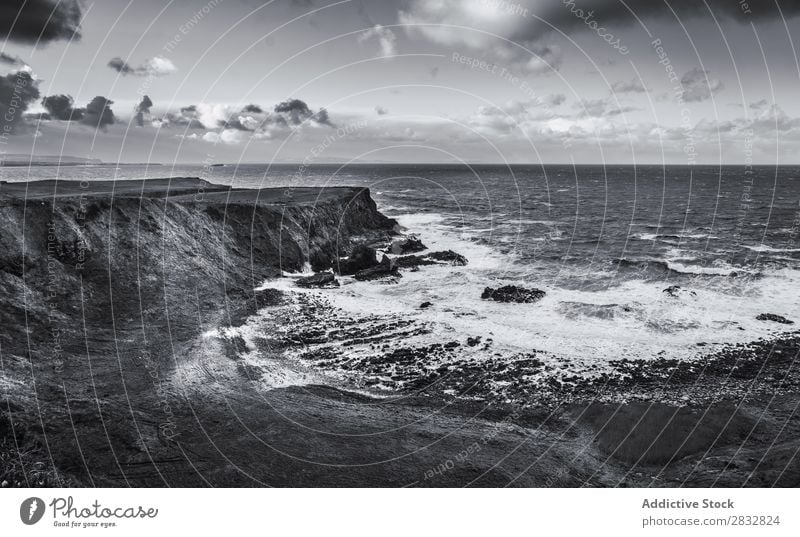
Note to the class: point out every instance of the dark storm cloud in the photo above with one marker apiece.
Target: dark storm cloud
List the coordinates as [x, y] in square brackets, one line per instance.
[17, 91]
[142, 109]
[322, 118]
[252, 109]
[61, 107]
[39, 21]
[295, 112]
[526, 22]
[9, 59]
[121, 66]
[571, 14]
[98, 113]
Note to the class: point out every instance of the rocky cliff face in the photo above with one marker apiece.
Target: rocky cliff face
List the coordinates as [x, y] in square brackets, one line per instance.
[125, 248]
[103, 286]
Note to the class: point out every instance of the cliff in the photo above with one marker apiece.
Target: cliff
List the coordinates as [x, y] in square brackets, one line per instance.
[137, 247]
[104, 284]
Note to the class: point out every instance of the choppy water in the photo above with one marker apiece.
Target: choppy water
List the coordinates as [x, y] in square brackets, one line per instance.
[603, 242]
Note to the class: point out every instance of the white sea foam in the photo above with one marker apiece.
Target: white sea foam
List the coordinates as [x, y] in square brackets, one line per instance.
[765, 248]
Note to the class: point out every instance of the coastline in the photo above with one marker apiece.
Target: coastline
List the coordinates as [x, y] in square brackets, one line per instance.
[155, 268]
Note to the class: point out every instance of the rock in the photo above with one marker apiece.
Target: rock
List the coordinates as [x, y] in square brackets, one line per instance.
[407, 245]
[433, 258]
[413, 261]
[512, 293]
[321, 260]
[473, 341]
[322, 280]
[386, 268]
[676, 291]
[449, 256]
[361, 257]
[425, 305]
[774, 318]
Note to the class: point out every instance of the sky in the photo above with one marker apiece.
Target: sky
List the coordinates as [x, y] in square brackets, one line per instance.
[479, 81]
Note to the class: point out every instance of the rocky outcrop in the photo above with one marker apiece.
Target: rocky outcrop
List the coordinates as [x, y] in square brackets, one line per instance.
[407, 245]
[773, 318]
[361, 257]
[385, 269]
[321, 280]
[512, 293]
[447, 257]
[138, 237]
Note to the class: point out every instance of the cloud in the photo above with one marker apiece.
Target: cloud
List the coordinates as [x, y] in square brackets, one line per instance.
[157, 66]
[295, 112]
[632, 86]
[602, 108]
[385, 36]
[142, 110]
[229, 125]
[186, 118]
[503, 27]
[17, 90]
[39, 21]
[61, 108]
[10, 60]
[553, 99]
[698, 86]
[98, 113]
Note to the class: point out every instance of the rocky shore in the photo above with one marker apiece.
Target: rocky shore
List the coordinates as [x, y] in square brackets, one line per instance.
[131, 355]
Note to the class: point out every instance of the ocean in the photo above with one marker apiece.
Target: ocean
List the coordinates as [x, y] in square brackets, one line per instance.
[603, 242]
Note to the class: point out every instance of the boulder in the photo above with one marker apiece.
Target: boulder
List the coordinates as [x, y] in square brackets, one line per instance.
[361, 257]
[407, 245]
[318, 281]
[384, 269]
[414, 261]
[774, 318]
[449, 256]
[425, 305]
[676, 291]
[433, 258]
[512, 293]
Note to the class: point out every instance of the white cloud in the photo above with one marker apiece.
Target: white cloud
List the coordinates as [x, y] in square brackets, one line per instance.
[386, 38]
[160, 66]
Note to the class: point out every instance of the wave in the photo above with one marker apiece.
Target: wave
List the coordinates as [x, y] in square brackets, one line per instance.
[768, 249]
[671, 236]
[679, 266]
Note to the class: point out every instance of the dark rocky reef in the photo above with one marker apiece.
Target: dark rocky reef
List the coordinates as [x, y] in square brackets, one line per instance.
[321, 280]
[447, 257]
[773, 318]
[361, 257]
[385, 269]
[512, 293]
[676, 291]
[407, 245]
